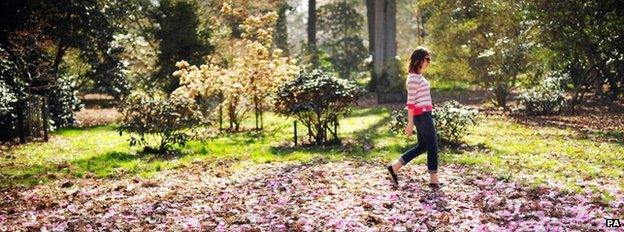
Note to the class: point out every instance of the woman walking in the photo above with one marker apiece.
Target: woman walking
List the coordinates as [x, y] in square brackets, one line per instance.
[419, 109]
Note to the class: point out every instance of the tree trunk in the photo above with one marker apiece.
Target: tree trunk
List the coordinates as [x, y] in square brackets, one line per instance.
[257, 112]
[220, 117]
[419, 27]
[231, 115]
[582, 78]
[255, 98]
[312, 32]
[45, 111]
[319, 129]
[370, 14]
[60, 52]
[163, 142]
[382, 34]
[378, 55]
[21, 120]
[310, 135]
[261, 119]
[501, 98]
[390, 71]
[281, 29]
[598, 85]
[577, 90]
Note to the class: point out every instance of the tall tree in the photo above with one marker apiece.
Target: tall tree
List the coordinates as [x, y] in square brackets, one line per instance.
[23, 63]
[370, 16]
[244, 83]
[136, 35]
[280, 39]
[488, 40]
[179, 40]
[312, 33]
[382, 34]
[340, 23]
[35, 37]
[586, 37]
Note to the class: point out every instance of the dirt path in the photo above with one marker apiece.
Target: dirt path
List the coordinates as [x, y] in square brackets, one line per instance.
[342, 196]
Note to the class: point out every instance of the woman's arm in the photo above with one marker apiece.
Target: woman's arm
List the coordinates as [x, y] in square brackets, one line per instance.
[409, 128]
[411, 97]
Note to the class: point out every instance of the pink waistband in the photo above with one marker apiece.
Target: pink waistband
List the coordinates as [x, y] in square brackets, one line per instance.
[419, 110]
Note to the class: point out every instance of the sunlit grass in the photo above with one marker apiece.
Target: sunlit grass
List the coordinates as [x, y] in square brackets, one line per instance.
[544, 153]
[511, 151]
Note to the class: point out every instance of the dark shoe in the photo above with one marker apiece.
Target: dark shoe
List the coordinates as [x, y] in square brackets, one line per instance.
[394, 176]
[435, 185]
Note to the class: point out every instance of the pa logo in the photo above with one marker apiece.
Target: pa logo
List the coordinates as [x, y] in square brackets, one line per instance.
[613, 222]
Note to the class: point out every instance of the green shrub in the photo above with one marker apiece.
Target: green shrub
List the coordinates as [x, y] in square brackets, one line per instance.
[317, 100]
[168, 120]
[546, 98]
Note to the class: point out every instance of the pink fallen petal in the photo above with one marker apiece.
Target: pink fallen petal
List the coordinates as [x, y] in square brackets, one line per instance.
[427, 206]
[60, 227]
[192, 224]
[545, 204]
[400, 228]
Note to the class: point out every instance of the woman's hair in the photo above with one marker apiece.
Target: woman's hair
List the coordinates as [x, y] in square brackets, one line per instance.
[417, 58]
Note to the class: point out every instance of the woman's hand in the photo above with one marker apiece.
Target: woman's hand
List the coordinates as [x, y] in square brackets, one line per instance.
[409, 129]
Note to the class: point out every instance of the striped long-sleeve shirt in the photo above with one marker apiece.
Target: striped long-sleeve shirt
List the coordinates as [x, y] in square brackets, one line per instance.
[418, 94]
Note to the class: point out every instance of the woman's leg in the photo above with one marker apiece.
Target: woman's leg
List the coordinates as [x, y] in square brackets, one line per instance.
[431, 140]
[411, 153]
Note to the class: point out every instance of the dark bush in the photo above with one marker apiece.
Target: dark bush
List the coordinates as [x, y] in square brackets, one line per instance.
[317, 100]
[168, 120]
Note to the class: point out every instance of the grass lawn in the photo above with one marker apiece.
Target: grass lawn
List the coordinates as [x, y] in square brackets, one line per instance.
[497, 145]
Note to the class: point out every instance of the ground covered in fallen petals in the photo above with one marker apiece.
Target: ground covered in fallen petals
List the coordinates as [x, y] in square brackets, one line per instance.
[341, 196]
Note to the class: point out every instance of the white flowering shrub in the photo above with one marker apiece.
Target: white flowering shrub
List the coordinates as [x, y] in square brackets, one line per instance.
[546, 98]
[7, 98]
[63, 103]
[453, 120]
[250, 80]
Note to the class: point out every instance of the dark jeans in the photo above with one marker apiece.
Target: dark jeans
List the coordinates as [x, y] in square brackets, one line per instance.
[427, 141]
